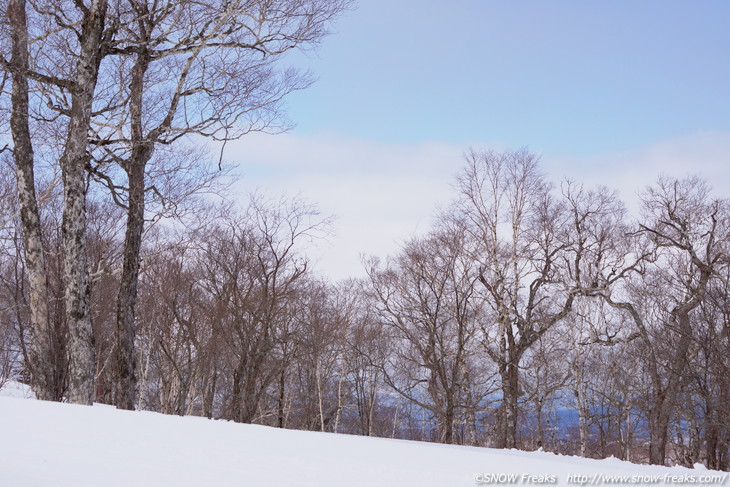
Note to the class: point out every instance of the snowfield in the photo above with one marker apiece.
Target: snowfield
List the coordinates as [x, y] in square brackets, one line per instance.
[52, 444]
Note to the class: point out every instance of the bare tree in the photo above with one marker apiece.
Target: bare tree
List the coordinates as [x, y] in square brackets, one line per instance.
[710, 376]
[545, 375]
[680, 243]
[536, 254]
[516, 224]
[251, 267]
[120, 79]
[426, 298]
[69, 70]
[191, 68]
[367, 353]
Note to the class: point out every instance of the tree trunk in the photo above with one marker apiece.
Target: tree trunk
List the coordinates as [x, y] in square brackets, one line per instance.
[665, 398]
[338, 414]
[540, 427]
[447, 424]
[508, 419]
[472, 438]
[658, 431]
[127, 298]
[371, 411]
[282, 398]
[210, 394]
[73, 166]
[141, 153]
[582, 422]
[76, 295]
[237, 392]
[141, 393]
[320, 405]
[40, 349]
[627, 436]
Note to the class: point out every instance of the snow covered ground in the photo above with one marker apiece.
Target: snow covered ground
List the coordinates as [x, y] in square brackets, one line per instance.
[16, 389]
[52, 444]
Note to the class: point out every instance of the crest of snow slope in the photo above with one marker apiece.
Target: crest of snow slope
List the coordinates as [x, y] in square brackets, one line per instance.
[44, 443]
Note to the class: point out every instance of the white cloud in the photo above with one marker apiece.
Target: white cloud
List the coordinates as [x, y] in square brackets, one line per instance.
[706, 154]
[384, 193]
[380, 193]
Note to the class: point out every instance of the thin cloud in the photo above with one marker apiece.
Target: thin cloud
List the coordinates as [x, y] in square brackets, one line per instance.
[383, 193]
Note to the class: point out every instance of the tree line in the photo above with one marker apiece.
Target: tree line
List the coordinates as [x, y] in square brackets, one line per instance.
[117, 95]
[531, 315]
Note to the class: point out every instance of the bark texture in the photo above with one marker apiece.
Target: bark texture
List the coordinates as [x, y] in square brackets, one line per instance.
[73, 166]
[40, 339]
[142, 150]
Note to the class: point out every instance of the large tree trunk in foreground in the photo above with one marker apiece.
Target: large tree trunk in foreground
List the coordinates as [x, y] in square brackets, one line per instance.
[73, 166]
[40, 339]
[142, 150]
[127, 298]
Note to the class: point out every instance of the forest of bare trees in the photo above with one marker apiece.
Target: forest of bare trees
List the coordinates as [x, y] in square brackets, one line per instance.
[533, 314]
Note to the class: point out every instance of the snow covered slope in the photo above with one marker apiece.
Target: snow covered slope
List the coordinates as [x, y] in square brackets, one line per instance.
[51, 444]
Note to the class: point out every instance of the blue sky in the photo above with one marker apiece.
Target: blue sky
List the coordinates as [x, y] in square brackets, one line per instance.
[580, 77]
[607, 92]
